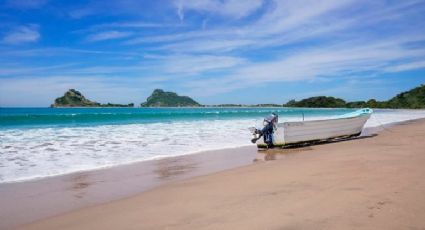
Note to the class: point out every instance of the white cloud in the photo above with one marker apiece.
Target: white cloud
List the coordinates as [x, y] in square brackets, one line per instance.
[41, 91]
[284, 23]
[406, 66]
[197, 64]
[208, 45]
[272, 41]
[131, 24]
[229, 8]
[326, 61]
[63, 51]
[345, 30]
[108, 35]
[238, 9]
[22, 34]
[18, 70]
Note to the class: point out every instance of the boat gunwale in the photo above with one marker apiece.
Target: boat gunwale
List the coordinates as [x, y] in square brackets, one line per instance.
[332, 119]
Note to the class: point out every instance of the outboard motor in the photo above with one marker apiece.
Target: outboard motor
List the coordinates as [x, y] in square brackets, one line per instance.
[270, 124]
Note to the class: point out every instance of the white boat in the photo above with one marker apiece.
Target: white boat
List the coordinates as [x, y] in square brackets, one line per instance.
[296, 132]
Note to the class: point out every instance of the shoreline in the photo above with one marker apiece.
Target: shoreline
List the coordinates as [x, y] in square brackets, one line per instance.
[80, 190]
[106, 167]
[374, 182]
[366, 130]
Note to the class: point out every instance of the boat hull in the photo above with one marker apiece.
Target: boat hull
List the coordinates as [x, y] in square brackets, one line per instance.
[292, 133]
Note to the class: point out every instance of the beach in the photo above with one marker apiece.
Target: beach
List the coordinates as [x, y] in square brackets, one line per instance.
[373, 182]
[212, 114]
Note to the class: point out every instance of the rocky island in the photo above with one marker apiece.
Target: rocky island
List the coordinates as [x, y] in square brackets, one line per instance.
[160, 98]
[74, 98]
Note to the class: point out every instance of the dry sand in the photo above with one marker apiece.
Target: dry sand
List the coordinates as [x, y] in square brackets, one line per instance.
[368, 183]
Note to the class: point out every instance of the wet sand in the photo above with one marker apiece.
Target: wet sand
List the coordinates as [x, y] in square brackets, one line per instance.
[32, 200]
[374, 182]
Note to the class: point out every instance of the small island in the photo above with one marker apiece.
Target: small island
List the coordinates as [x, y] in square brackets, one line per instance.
[160, 98]
[74, 98]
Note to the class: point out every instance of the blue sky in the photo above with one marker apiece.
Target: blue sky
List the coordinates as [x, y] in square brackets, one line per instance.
[216, 51]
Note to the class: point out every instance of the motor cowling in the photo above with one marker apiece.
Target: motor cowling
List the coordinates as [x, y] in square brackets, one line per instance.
[270, 124]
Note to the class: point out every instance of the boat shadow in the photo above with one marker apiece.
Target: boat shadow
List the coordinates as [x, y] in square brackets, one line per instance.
[328, 141]
[279, 152]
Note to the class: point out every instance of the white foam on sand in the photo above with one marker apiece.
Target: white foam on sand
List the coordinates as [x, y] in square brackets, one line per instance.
[382, 117]
[32, 153]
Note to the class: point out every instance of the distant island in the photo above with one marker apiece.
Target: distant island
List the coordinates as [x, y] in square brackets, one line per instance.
[160, 98]
[412, 99]
[73, 98]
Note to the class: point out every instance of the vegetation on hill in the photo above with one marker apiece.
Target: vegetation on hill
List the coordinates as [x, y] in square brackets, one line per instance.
[317, 102]
[160, 98]
[357, 104]
[74, 98]
[412, 99]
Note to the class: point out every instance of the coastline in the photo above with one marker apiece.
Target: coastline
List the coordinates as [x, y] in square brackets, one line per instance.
[367, 178]
[69, 147]
[144, 161]
[78, 191]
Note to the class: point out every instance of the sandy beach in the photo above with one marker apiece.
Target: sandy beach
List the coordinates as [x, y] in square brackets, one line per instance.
[373, 182]
[212, 114]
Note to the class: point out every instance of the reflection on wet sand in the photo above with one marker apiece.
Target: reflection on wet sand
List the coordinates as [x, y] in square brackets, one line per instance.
[279, 153]
[79, 184]
[171, 167]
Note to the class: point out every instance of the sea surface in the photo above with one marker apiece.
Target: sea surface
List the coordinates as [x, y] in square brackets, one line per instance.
[41, 142]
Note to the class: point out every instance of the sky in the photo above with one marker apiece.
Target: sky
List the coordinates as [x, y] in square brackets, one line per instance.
[215, 51]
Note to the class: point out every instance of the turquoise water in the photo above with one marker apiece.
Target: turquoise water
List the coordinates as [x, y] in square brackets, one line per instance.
[75, 117]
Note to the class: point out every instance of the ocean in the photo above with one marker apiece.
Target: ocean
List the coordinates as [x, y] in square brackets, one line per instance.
[42, 142]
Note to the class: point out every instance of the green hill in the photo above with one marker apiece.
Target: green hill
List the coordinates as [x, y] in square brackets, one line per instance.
[412, 99]
[160, 98]
[74, 98]
[317, 102]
